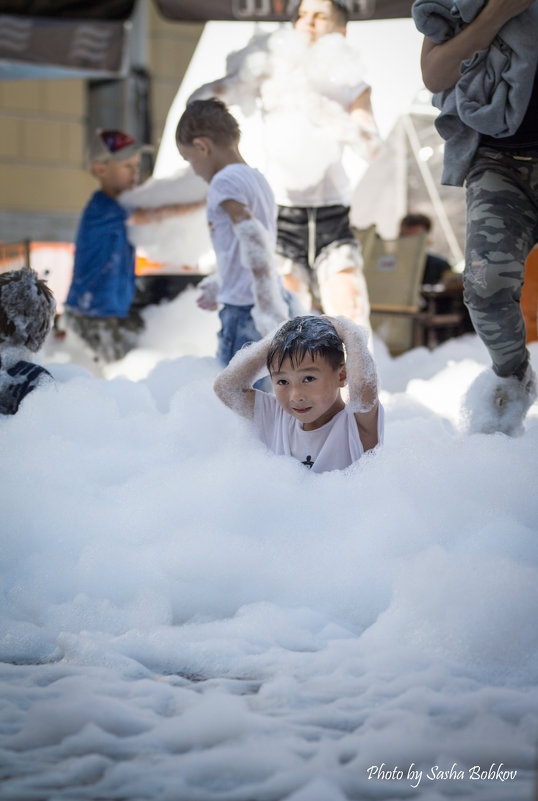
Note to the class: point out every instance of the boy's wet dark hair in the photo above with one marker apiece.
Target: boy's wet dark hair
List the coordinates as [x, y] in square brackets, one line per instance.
[209, 118]
[27, 309]
[302, 335]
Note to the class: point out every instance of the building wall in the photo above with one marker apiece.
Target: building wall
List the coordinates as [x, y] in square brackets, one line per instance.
[44, 180]
[171, 47]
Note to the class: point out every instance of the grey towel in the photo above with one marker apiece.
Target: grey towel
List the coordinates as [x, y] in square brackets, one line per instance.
[494, 90]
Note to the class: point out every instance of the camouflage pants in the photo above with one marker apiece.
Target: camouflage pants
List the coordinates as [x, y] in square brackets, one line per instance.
[502, 228]
[110, 338]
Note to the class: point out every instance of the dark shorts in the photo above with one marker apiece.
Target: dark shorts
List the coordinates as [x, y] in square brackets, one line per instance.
[302, 233]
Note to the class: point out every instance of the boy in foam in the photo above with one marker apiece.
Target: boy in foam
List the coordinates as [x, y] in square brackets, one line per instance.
[309, 360]
[241, 215]
[27, 309]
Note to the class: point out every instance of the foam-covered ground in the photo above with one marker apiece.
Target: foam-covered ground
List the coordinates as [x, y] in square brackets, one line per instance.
[186, 617]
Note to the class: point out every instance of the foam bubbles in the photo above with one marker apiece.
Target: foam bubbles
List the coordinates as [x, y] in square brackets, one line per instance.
[188, 616]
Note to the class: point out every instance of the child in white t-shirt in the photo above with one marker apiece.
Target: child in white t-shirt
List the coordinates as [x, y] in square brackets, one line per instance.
[241, 215]
[309, 360]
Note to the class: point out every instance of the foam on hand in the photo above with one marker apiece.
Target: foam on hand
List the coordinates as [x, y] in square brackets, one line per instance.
[361, 369]
[257, 255]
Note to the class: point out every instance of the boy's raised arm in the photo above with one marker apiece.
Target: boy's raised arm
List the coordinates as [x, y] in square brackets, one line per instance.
[234, 385]
[257, 256]
[361, 111]
[146, 215]
[361, 378]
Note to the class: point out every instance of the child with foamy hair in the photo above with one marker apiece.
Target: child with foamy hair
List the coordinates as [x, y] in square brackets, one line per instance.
[27, 309]
[241, 216]
[309, 359]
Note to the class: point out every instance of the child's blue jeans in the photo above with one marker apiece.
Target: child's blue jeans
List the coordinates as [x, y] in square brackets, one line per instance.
[237, 329]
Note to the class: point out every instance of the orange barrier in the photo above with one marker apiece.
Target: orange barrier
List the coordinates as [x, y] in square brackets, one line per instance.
[529, 295]
[54, 262]
[51, 260]
[145, 266]
[14, 256]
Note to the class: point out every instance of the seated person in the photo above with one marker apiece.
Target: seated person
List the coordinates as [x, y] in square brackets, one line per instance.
[436, 269]
[309, 360]
[27, 309]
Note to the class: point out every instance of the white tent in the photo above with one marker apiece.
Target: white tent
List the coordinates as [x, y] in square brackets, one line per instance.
[395, 80]
[395, 84]
[406, 178]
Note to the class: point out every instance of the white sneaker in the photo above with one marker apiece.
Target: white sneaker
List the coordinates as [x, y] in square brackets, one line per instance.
[499, 404]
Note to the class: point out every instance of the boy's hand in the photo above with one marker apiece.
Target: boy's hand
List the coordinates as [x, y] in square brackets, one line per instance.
[361, 379]
[360, 367]
[343, 327]
[207, 299]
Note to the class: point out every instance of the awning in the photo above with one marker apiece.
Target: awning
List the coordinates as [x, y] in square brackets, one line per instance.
[272, 10]
[70, 9]
[195, 10]
[85, 38]
[54, 47]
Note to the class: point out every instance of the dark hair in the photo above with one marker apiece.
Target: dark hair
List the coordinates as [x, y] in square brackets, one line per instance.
[417, 219]
[302, 335]
[27, 309]
[340, 7]
[209, 118]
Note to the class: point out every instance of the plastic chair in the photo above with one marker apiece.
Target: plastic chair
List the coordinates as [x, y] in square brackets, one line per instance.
[393, 269]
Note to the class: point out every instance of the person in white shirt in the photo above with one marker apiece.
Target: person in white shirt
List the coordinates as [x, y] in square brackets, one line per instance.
[309, 87]
[309, 360]
[241, 216]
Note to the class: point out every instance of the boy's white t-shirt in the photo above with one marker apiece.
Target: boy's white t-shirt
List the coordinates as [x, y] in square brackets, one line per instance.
[248, 186]
[334, 446]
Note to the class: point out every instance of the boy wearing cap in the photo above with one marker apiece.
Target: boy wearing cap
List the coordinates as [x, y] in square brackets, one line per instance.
[98, 306]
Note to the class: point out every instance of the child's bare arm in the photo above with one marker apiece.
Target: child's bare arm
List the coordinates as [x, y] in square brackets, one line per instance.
[362, 113]
[256, 254]
[144, 216]
[216, 88]
[440, 62]
[234, 385]
[361, 378]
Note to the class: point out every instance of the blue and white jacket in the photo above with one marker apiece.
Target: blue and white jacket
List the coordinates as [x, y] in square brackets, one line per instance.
[103, 283]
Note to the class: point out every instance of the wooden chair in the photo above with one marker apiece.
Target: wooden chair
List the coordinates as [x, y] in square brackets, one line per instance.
[405, 313]
[393, 269]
